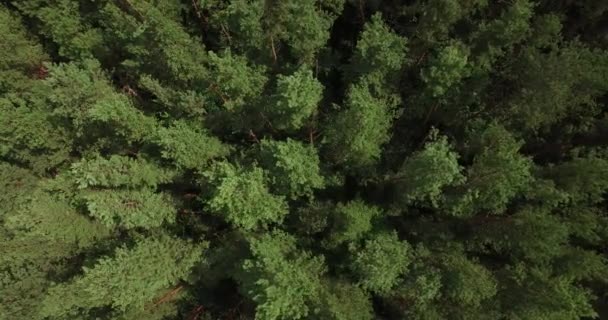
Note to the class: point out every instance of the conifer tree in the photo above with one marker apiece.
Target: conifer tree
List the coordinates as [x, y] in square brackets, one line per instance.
[303, 159]
[296, 99]
[357, 134]
[128, 280]
[241, 195]
[284, 281]
[424, 174]
[380, 262]
[497, 174]
[292, 166]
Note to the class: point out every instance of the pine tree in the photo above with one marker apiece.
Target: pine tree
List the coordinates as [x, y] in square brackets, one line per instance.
[296, 99]
[303, 159]
[128, 280]
[292, 166]
[118, 171]
[351, 221]
[446, 70]
[281, 279]
[37, 247]
[21, 55]
[380, 262]
[129, 208]
[61, 22]
[423, 175]
[357, 134]
[242, 197]
[188, 146]
[498, 173]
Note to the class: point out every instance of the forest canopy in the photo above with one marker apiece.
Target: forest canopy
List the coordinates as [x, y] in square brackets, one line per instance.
[304, 159]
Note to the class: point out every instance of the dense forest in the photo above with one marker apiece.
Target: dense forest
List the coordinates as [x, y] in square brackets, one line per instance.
[304, 159]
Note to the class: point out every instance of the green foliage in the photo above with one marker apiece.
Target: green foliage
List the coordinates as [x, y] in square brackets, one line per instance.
[380, 262]
[243, 21]
[41, 219]
[27, 138]
[379, 52]
[117, 112]
[425, 159]
[130, 208]
[127, 280]
[465, 282]
[557, 84]
[118, 171]
[61, 22]
[446, 69]
[292, 166]
[281, 279]
[537, 294]
[37, 244]
[295, 100]
[498, 173]
[352, 221]
[345, 302]
[421, 287]
[20, 56]
[586, 224]
[424, 174]
[290, 30]
[152, 42]
[187, 146]
[530, 234]
[301, 25]
[356, 135]
[95, 101]
[312, 219]
[236, 83]
[546, 30]
[242, 197]
[15, 183]
[438, 17]
[583, 179]
[497, 37]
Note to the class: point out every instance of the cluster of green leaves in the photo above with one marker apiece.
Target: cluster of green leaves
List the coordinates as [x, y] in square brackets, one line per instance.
[303, 159]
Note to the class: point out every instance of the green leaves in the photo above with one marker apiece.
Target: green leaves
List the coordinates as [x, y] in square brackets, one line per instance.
[188, 146]
[118, 171]
[19, 56]
[295, 100]
[583, 179]
[241, 196]
[379, 51]
[446, 69]
[292, 166]
[29, 139]
[565, 81]
[302, 25]
[282, 280]
[127, 280]
[466, 282]
[346, 302]
[130, 208]
[236, 81]
[424, 174]
[380, 262]
[356, 135]
[62, 23]
[42, 219]
[352, 221]
[424, 160]
[497, 174]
